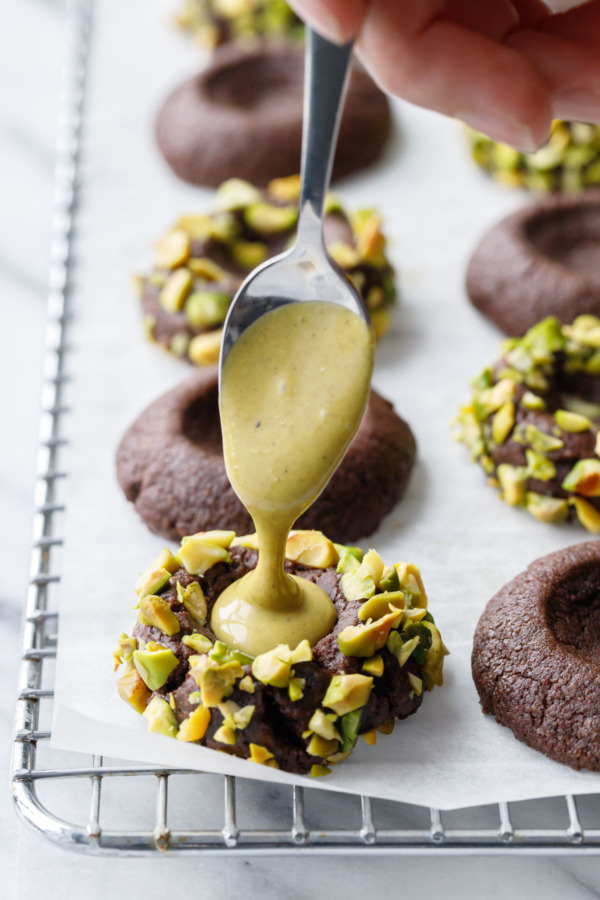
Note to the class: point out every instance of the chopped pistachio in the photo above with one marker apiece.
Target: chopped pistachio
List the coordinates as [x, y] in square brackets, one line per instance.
[261, 755]
[172, 250]
[533, 401]
[539, 466]
[248, 254]
[347, 693]
[198, 554]
[317, 771]
[386, 727]
[381, 604]
[206, 269]
[344, 255]
[416, 684]
[311, 548]
[587, 514]
[177, 287]
[546, 509]
[193, 599]
[158, 614]
[321, 725]
[246, 684]
[374, 666]
[503, 422]
[570, 421]
[206, 309]
[194, 727]
[512, 481]
[198, 642]
[161, 718]
[204, 349]
[285, 190]
[216, 681]
[365, 640]
[133, 690]
[265, 218]
[274, 666]
[236, 194]
[155, 666]
[584, 478]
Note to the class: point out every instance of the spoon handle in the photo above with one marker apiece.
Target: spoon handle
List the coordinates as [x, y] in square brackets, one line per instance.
[325, 78]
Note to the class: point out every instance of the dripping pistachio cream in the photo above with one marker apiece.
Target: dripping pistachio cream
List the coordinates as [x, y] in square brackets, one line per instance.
[294, 388]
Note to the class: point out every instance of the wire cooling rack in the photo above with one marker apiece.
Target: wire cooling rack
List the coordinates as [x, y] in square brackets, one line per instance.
[104, 807]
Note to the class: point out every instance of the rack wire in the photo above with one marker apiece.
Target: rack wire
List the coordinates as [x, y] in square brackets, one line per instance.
[308, 820]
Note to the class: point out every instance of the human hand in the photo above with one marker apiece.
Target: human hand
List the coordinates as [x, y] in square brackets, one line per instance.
[505, 67]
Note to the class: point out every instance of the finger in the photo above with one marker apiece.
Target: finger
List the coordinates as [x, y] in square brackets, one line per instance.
[337, 20]
[580, 24]
[570, 68]
[531, 12]
[492, 19]
[449, 69]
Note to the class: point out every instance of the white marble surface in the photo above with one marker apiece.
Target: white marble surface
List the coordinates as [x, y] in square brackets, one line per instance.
[29, 865]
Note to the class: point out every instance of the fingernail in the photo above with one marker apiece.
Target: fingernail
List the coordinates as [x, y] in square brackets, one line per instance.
[577, 105]
[317, 16]
[501, 128]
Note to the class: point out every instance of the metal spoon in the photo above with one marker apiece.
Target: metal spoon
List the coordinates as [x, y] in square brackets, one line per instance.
[305, 272]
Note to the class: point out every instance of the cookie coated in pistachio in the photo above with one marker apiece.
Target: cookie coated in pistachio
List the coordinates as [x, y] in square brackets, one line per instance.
[200, 263]
[534, 418]
[215, 22]
[300, 709]
[569, 161]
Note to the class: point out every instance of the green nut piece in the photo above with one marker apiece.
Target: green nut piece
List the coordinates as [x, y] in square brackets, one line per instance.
[311, 548]
[198, 554]
[381, 604]
[273, 667]
[349, 725]
[132, 689]
[215, 680]
[374, 666]
[389, 580]
[512, 481]
[361, 583]
[155, 666]
[539, 466]
[177, 287]
[204, 348]
[193, 599]
[224, 654]
[503, 422]
[348, 562]
[585, 330]
[546, 509]
[365, 640]
[265, 218]
[533, 401]
[198, 642]
[172, 250]
[207, 309]
[584, 478]
[571, 421]
[161, 717]
[248, 254]
[347, 693]
[164, 562]
[236, 194]
[587, 514]
[323, 726]
[401, 649]
[540, 440]
[158, 614]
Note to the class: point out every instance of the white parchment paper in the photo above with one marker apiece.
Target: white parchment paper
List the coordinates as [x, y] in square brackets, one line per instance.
[467, 543]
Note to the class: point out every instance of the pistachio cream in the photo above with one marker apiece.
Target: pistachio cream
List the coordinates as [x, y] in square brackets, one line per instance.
[294, 388]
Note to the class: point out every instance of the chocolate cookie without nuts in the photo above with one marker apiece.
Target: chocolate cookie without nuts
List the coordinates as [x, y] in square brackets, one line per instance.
[296, 709]
[241, 117]
[543, 260]
[170, 466]
[536, 656]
